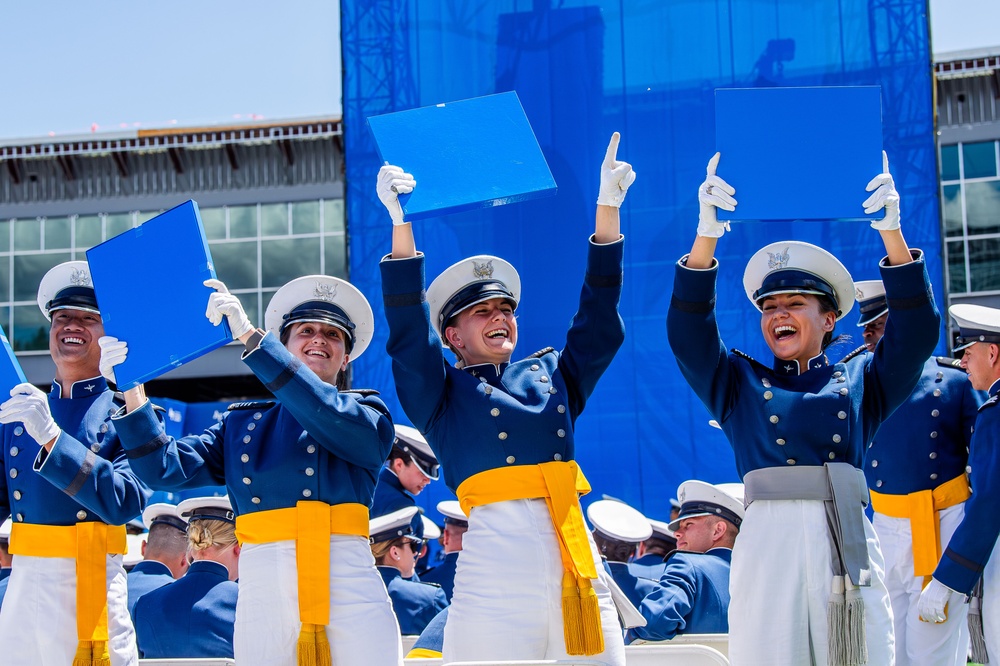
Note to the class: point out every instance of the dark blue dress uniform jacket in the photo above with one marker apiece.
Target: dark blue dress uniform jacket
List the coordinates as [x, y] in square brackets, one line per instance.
[146, 576]
[970, 547]
[692, 597]
[648, 566]
[415, 602]
[444, 574]
[317, 443]
[926, 441]
[4, 581]
[518, 413]
[86, 476]
[432, 637]
[390, 495]
[775, 417]
[635, 588]
[191, 618]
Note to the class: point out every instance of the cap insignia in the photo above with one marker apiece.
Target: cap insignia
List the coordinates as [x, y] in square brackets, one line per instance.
[79, 278]
[325, 291]
[858, 293]
[482, 271]
[776, 260]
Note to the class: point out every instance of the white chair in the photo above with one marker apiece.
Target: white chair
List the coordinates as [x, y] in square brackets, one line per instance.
[718, 642]
[408, 642]
[533, 662]
[665, 654]
[186, 662]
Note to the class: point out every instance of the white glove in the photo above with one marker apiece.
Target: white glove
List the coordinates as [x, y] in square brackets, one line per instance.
[933, 602]
[885, 196]
[615, 176]
[714, 193]
[31, 407]
[223, 304]
[113, 352]
[393, 181]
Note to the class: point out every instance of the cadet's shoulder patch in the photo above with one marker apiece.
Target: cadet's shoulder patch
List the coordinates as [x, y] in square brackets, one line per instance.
[748, 357]
[429, 584]
[251, 404]
[949, 362]
[540, 353]
[364, 393]
[857, 352]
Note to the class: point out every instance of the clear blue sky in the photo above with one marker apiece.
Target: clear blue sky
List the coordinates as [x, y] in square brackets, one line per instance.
[71, 65]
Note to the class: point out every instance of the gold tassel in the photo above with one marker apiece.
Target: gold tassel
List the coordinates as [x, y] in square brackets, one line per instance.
[572, 615]
[323, 656]
[590, 611]
[92, 653]
[313, 648]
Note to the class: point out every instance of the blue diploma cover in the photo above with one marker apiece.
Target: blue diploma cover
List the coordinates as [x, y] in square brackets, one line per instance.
[475, 153]
[149, 288]
[10, 370]
[799, 153]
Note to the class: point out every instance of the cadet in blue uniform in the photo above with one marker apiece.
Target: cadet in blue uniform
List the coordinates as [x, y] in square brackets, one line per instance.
[915, 468]
[456, 524]
[410, 468]
[967, 557]
[652, 553]
[164, 552]
[395, 549]
[194, 617]
[618, 530]
[430, 643]
[799, 427]
[520, 417]
[300, 473]
[692, 595]
[66, 480]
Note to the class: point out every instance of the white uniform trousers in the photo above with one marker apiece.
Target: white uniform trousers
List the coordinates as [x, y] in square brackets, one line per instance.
[991, 605]
[362, 629]
[780, 584]
[38, 620]
[920, 643]
[508, 590]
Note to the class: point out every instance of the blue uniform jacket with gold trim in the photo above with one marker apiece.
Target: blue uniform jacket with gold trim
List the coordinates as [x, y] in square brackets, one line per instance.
[86, 476]
[519, 413]
[970, 546]
[191, 618]
[145, 577]
[692, 597]
[926, 441]
[444, 574]
[316, 443]
[829, 413]
[414, 602]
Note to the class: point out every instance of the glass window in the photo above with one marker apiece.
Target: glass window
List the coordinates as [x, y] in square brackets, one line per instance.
[249, 302]
[333, 215]
[145, 215]
[335, 255]
[30, 331]
[27, 234]
[88, 231]
[28, 272]
[979, 159]
[956, 268]
[5, 236]
[305, 217]
[236, 263]
[274, 219]
[265, 300]
[285, 259]
[214, 222]
[119, 223]
[5, 281]
[982, 207]
[57, 233]
[243, 221]
[949, 163]
[951, 204]
[984, 264]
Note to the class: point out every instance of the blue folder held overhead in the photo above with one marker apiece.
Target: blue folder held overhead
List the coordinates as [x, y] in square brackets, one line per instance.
[149, 288]
[476, 153]
[11, 373]
[799, 153]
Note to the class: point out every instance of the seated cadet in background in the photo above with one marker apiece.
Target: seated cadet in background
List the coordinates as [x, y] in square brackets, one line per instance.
[194, 617]
[164, 552]
[456, 524]
[5, 558]
[915, 468]
[395, 549]
[692, 596]
[651, 555]
[618, 530]
[675, 509]
[410, 468]
[430, 643]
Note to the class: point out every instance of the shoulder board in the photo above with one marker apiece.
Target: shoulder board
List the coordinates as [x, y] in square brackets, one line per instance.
[989, 403]
[750, 358]
[948, 362]
[428, 583]
[540, 353]
[364, 393]
[857, 352]
[251, 404]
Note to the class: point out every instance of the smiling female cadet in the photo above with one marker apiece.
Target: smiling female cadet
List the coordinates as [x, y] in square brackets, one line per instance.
[799, 427]
[300, 473]
[504, 435]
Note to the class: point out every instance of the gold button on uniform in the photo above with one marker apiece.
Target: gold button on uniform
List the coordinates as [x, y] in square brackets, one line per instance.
[510, 460]
[13, 450]
[780, 441]
[256, 416]
[937, 393]
[836, 439]
[246, 480]
[18, 430]
[561, 409]
[95, 447]
[502, 435]
[495, 412]
[311, 448]
[307, 493]
[844, 391]
[832, 455]
[13, 473]
[768, 395]
[557, 456]
[790, 461]
[534, 366]
[81, 515]
[935, 412]
[933, 476]
[561, 432]
[841, 415]
[251, 425]
[246, 439]
[255, 500]
[245, 458]
[933, 455]
[774, 418]
[874, 463]
[543, 379]
[310, 471]
[17, 494]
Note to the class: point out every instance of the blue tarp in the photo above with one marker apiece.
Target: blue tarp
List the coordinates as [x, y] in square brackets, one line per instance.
[648, 70]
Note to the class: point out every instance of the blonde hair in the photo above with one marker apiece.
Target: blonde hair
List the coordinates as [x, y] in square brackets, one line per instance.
[204, 534]
[381, 549]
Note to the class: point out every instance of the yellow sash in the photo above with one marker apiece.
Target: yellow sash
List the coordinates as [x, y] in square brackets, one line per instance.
[88, 544]
[560, 484]
[921, 508]
[309, 525]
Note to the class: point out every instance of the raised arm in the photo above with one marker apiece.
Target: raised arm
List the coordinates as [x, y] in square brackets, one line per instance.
[393, 181]
[713, 194]
[886, 197]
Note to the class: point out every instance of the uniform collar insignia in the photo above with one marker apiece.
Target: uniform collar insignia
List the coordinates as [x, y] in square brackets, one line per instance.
[84, 388]
[791, 368]
[89, 387]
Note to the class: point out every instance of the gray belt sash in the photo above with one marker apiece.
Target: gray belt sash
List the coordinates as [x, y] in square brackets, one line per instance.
[844, 492]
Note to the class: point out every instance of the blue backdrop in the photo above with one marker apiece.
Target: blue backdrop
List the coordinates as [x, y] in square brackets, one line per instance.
[648, 70]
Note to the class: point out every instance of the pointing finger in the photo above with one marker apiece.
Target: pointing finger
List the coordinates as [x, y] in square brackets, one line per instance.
[713, 164]
[611, 156]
